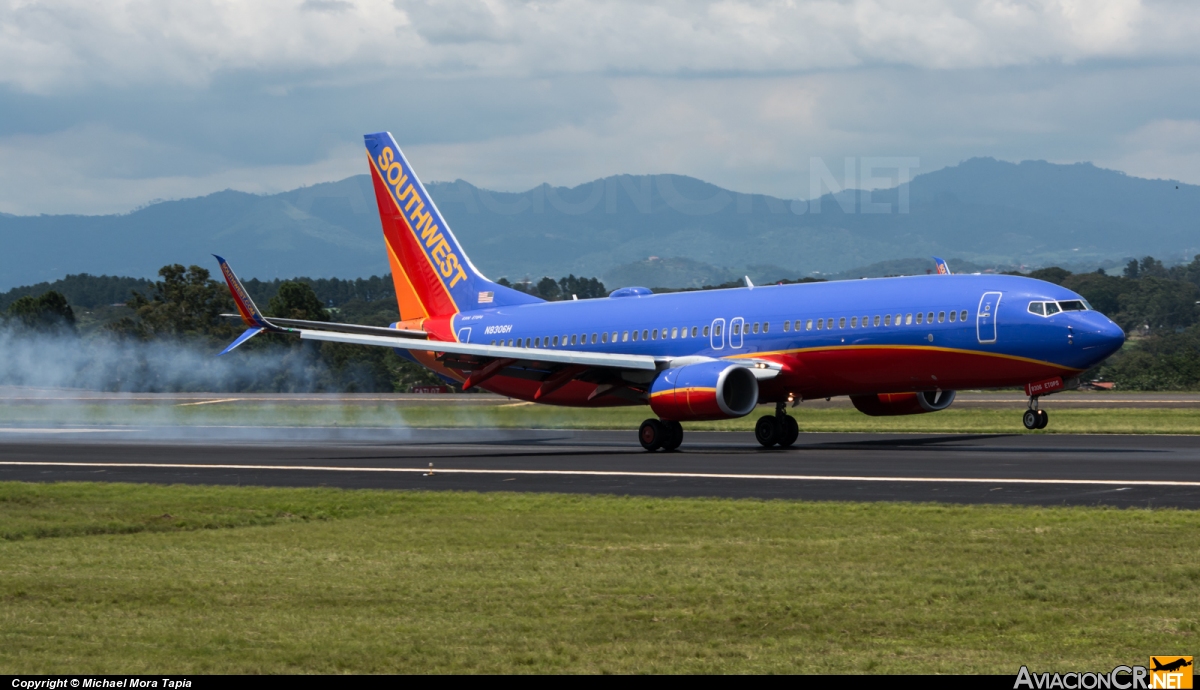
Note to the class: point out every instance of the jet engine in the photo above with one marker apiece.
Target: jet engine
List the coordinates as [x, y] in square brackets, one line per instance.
[891, 404]
[707, 390]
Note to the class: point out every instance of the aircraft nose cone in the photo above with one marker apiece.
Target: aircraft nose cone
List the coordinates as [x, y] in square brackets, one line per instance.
[1098, 335]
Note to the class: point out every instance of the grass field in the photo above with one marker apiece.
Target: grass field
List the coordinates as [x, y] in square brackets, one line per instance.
[149, 579]
[525, 416]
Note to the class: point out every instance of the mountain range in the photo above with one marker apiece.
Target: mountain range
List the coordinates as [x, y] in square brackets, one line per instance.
[656, 230]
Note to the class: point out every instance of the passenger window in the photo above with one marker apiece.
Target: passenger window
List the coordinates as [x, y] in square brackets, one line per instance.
[808, 325]
[941, 316]
[1037, 308]
[654, 334]
[635, 336]
[962, 315]
[929, 317]
[766, 326]
[842, 322]
[604, 337]
[829, 322]
[865, 320]
[625, 336]
[706, 331]
[787, 326]
[574, 339]
[694, 331]
[1051, 308]
[493, 342]
[645, 334]
[907, 319]
[664, 334]
[556, 341]
[716, 330]
[887, 320]
[920, 318]
[736, 328]
[510, 342]
[756, 327]
[953, 316]
[1072, 305]
[854, 322]
[614, 336]
[876, 322]
[674, 333]
[820, 322]
[593, 338]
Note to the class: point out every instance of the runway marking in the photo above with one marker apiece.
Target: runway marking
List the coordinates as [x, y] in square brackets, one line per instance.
[20, 430]
[608, 473]
[208, 402]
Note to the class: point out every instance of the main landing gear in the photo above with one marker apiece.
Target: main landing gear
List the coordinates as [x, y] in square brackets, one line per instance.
[780, 430]
[656, 434]
[1035, 418]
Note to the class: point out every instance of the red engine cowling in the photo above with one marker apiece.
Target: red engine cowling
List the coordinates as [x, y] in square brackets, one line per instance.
[707, 390]
[891, 404]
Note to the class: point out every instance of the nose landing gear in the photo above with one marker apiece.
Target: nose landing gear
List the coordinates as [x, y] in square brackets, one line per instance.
[1035, 418]
[778, 430]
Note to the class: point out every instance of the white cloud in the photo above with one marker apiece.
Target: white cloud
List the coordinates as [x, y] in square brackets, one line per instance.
[94, 170]
[1164, 149]
[64, 44]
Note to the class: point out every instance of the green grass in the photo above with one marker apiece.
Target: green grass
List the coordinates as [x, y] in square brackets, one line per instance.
[116, 578]
[525, 416]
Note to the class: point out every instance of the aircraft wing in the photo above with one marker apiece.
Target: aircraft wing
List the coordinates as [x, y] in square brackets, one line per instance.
[622, 375]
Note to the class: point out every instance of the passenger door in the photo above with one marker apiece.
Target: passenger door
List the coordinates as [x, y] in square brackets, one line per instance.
[985, 319]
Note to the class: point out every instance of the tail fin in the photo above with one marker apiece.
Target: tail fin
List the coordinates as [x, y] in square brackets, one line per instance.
[942, 267]
[432, 273]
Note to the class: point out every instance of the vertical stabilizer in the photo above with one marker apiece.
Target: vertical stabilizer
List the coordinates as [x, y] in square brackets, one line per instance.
[432, 273]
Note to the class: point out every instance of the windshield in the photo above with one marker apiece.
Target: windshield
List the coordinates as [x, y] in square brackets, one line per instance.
[1073, 305]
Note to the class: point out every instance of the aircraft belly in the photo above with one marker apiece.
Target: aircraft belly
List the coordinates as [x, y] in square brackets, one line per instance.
[573, 394]
[823, 373]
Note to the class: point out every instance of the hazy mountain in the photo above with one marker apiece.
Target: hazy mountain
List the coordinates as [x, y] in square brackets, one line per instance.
[983, 211]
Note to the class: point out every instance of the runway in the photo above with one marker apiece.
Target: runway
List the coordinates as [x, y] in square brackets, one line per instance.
[1125, 471]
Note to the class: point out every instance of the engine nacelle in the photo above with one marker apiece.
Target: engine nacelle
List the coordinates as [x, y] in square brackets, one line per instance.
[707, 390]
[891, 404]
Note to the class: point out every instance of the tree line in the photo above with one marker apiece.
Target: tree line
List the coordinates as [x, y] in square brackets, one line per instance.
[1157, 306]
[184, 307]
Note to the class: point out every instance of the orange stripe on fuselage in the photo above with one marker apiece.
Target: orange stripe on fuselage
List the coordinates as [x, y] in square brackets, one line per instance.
[400, 236]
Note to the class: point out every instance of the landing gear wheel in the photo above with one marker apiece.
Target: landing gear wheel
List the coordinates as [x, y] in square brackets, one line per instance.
[652, 434]
[789, 432]
[1043, 419]
[674, 436]
[1031, 419]
[767, 431]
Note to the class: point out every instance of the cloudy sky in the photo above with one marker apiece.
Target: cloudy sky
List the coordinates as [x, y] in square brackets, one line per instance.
[106, 105]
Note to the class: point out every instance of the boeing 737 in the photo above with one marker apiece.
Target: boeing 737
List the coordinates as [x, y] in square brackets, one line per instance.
[895, 346]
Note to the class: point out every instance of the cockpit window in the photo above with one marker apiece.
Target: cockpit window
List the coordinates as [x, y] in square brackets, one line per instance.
[1037, 308]
[1051, 308]
[1073, 305]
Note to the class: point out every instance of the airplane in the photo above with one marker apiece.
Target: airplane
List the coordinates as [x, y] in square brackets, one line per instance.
[895, 346]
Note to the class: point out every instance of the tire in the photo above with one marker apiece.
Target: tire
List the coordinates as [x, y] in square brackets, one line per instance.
[1043, 419]
[674, 436]
[766, 431]
[789, 432]
[1030, 419]
[652, 434]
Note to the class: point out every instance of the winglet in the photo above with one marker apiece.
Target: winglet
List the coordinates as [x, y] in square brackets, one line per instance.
[251, 316]
[943, 269]
[248, 334]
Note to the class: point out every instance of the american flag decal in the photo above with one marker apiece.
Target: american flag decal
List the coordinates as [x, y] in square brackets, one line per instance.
[485, 297]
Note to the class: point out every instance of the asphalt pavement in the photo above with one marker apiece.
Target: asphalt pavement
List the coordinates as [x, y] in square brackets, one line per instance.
[1038, 469]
